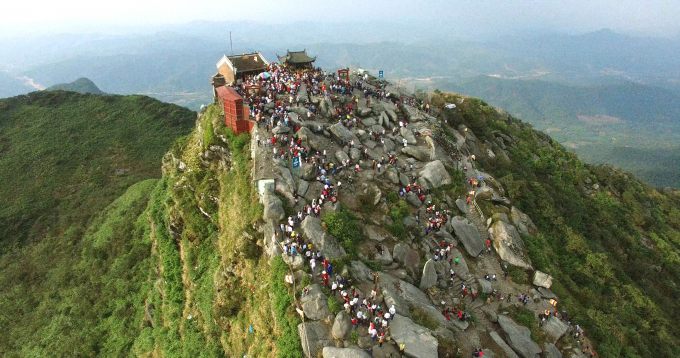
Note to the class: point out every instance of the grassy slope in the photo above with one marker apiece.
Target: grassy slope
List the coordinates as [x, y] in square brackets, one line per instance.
[614, 253]
[209, 269]
[60, 151]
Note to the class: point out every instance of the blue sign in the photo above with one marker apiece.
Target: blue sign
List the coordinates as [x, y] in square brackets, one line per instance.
[380, 74]
[296, 162]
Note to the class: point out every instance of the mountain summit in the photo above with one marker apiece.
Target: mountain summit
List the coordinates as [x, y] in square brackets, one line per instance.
[81, 85]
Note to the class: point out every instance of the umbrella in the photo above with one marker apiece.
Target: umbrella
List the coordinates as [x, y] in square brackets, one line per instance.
[265, 75]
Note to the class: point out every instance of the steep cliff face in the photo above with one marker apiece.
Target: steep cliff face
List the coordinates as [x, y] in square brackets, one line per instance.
[214, 292]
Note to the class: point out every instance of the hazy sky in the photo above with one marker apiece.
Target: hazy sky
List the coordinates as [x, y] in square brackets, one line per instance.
[643, 17]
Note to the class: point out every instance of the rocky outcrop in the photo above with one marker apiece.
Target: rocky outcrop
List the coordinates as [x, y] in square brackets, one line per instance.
[523, 222]
[407, 257]
[555, 328]
[342, 326]
[485, 286]
[419, 341]
[504, 346]
[294, 261]
[413, 200]
[550, 351]
[519, 338]
[408, 135]
[416, 152]
[508, 244]
[313, 231]
[462, 206]
[315, 304]
[373, 234]
[273, 207]
[332, 352]
[341, 133]
[314, 336]
[429, 277]
[468, 235]
[542, 279]
[435, 174]
[385, 258]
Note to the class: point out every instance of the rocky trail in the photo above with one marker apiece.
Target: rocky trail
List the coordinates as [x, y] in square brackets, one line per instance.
[409, 277]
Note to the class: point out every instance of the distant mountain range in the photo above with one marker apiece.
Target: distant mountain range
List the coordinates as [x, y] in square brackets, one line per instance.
[560, 83]
[81, 85]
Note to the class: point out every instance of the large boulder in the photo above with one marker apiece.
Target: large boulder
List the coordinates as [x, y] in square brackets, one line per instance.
[281, 129]
[332, 352]
[485, 286]
[429, 277]
[550, 351]
[462, 206]
[468, 235]
[374, 193]
[355, 154]
[508, 244]
[273, 207]
[415, 115]
[404, 296]
[504, 346]
[435, 174]
[418, 340]
[341, 133]
[314, 336]
[385, 258]
[312, 230]
[373, 234]
[391, 115]
[308, 172]
[342, 326]
[403, 179]
[407, 257]
[523, 222]
[315, 304]
[542, 279]
[555, 328]
[519, 338]
[408, 135]
[364, 112]
[303, 185]
[314, 190]
[416, 152]
[413, 200]
[391, 175]
[361, 272]
[340, 155]
[296, 262]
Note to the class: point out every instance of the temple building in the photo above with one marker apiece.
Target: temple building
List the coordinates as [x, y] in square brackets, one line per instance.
[298, 59]
[233, 68]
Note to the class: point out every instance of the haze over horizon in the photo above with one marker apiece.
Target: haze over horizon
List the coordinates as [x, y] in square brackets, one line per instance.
[468, 19]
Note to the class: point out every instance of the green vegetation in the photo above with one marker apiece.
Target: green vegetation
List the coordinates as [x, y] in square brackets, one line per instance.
[344, 225]
[81, 85]
[66, 156]
[612, 248]
[630, 125]
[527, 319]
[422, 318]
[166, 269]
[397, 212]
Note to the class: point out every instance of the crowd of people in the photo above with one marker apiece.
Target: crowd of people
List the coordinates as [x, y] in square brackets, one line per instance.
[270, 108]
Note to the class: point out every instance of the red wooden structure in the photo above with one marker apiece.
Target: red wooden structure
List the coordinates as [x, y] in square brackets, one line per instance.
[235, 114]
[344, 72]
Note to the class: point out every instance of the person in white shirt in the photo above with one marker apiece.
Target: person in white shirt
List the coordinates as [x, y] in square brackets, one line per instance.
[393, 311]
